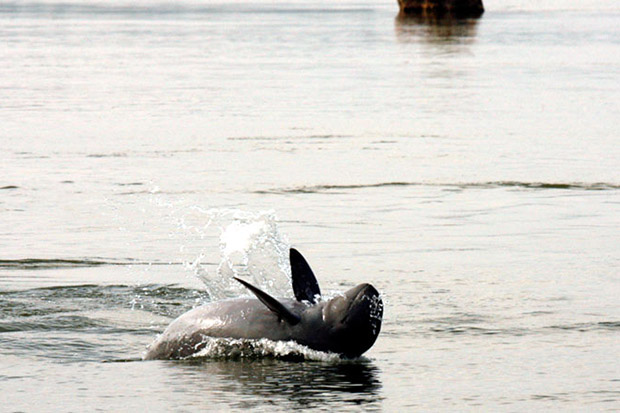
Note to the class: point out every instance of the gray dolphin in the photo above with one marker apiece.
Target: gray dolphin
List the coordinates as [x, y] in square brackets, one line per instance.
[347, 324]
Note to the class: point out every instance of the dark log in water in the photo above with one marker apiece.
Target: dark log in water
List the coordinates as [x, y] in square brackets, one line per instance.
[460, 8]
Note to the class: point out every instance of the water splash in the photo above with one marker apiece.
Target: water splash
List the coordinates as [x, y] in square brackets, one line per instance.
[217, 244]
[252, 246]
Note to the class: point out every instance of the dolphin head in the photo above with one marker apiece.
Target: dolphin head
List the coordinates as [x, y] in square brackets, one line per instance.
[353, 320]
[347, 324]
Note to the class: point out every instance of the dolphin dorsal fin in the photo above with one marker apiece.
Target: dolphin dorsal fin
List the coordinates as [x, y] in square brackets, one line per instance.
[305, 285]
[274, 305]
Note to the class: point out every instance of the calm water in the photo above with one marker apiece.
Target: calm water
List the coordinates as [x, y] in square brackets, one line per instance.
[469, 170]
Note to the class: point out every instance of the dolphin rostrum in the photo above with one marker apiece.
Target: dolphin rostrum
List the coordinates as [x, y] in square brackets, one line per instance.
[347, 324]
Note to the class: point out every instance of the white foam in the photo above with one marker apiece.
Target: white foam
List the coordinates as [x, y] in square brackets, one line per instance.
[229, 348]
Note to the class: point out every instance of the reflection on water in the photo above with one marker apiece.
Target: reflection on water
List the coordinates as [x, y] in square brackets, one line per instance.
[299, 385]
[435, 29]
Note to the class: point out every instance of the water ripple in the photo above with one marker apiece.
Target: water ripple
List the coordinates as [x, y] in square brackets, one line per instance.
[55, 263]
[579, 186]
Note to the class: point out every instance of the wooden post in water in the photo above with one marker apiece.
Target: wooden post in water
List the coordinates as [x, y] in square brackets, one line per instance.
[459, 8]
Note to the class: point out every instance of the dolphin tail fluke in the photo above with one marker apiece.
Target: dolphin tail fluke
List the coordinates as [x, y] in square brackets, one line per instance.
[274, 305]
[305, 285]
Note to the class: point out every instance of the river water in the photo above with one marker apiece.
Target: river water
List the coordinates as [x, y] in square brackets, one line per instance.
[470, 170]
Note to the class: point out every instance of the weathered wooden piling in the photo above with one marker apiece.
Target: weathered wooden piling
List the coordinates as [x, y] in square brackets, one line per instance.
[459, 8]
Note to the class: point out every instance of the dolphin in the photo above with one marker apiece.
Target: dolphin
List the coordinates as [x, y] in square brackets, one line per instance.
[347, 324]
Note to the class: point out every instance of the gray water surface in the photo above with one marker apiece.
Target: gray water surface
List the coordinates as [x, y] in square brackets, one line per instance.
[468, 169]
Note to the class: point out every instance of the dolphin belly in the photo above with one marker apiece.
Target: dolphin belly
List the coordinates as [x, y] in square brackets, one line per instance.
[236, 318]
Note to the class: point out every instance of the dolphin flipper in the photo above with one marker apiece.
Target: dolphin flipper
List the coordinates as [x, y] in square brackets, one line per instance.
[274, 305]
[305, 285]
